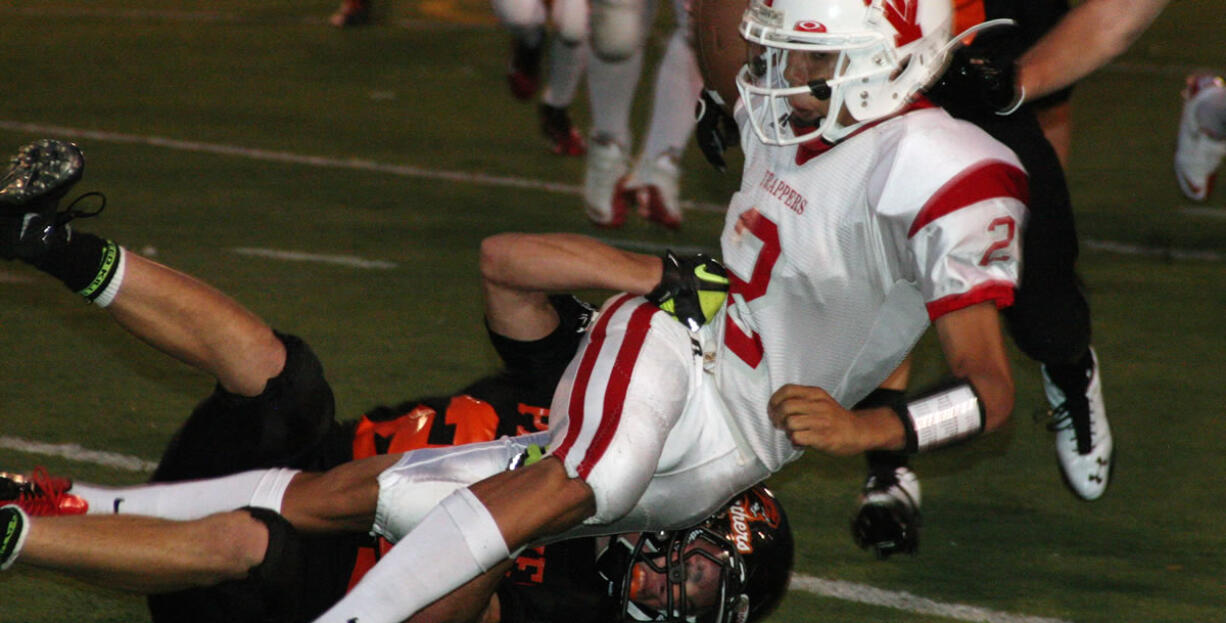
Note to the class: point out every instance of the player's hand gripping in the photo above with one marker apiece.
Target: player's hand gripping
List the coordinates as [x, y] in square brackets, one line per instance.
[977, 81]
[692, 288]
[812, 418]
[715, 130]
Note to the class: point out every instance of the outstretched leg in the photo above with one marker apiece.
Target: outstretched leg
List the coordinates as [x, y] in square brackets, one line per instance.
[173, 312]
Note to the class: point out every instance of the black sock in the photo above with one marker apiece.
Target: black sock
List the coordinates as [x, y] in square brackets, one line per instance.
[85, 264]
[1072, 378]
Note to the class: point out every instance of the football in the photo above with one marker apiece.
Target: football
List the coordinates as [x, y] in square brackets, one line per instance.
[718, 45]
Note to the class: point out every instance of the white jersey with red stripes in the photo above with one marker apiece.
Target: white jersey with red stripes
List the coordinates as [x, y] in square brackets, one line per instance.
[636, 415]
[839, 258]
[838, 262]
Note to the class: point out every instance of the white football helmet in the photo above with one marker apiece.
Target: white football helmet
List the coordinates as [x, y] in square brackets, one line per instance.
[888, 51]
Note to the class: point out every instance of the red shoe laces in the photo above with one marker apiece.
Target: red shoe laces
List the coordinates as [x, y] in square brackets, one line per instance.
[43, 493]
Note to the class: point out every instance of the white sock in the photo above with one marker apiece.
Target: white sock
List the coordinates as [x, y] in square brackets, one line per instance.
[567, 61]
[190, 499]
[610, 88]
[454, 543]
[112, 289]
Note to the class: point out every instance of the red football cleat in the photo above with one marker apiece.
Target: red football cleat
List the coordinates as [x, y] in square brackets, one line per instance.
[564, 138]
[41, 494]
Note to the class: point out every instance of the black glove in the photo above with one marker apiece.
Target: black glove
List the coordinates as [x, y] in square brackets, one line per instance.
[692, 288]
[977, 82]
[716, 130]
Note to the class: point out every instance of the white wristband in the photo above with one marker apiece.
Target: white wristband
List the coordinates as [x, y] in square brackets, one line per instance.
[943, 418]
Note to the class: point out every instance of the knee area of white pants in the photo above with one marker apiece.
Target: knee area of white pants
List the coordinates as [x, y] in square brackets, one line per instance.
[617, 30]
[572, 34]
[612, 501]
[421, 479]
[521, 18]
[570, 21]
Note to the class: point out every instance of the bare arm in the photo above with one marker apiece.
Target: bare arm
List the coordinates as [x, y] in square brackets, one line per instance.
[1087, 38]
[974, 349]
[519, 270]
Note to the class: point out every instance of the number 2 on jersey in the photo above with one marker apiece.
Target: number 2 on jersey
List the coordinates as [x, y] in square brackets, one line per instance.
[748, 346]
[1003, 229]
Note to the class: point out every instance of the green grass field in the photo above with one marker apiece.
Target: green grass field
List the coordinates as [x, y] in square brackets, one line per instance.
[220, 126]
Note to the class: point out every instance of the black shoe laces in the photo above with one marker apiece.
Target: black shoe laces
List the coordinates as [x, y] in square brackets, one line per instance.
[72, 212]
[1067, 416]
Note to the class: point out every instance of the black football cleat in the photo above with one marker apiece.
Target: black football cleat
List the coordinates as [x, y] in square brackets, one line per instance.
[39, 175]
[888, 520]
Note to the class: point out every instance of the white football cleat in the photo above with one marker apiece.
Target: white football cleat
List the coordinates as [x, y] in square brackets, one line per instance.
[655, 185]
[604, 198]
[1197, 154]
[1083, 436]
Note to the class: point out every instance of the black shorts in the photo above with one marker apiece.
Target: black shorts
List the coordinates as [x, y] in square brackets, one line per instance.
[291, 424]
[1050, 317]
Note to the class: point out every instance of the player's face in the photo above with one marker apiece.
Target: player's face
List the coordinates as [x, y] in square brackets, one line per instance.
[649, 587]
[803, 68]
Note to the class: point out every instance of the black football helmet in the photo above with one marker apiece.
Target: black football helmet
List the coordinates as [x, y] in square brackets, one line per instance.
[750, 541]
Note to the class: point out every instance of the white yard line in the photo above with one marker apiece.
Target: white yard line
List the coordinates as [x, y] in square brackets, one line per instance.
[1204, 211]
[325, 162]
[318, 258]
[78, 453]
[1124, 248]
[900, 600]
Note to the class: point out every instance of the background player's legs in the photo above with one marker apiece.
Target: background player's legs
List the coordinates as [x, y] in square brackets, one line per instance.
[888, 518]
[610, 86]
[656, 178]
[1201, 141]
[1050, 317]
[568, 56]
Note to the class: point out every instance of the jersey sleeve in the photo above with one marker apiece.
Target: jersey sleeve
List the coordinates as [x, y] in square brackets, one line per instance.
[966, 238]
[955, 200]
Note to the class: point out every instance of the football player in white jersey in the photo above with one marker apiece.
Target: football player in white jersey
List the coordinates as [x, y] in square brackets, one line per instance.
[864, 214]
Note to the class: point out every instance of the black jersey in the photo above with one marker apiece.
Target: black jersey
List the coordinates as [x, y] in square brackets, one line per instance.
[556, 583]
